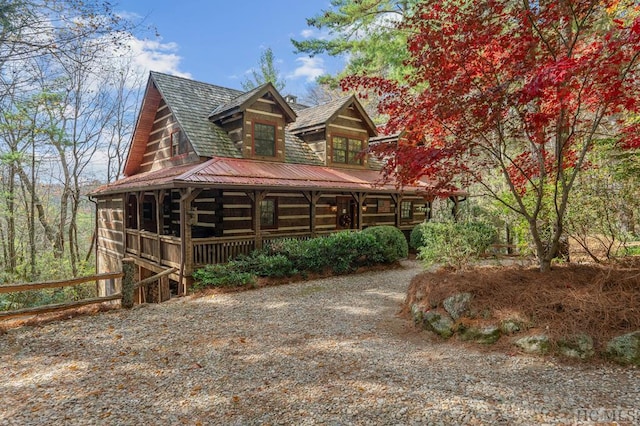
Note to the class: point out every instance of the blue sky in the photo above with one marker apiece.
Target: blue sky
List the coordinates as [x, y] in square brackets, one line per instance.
[219, 42]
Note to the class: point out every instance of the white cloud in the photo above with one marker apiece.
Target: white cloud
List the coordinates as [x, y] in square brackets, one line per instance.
[157, 56]
[310, 68]
[306, 33]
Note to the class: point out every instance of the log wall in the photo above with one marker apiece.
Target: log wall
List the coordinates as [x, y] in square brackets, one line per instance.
[158, 151]
[110, 241]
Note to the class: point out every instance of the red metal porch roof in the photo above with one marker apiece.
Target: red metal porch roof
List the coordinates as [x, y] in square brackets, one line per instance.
[232, 171]
[236, 172]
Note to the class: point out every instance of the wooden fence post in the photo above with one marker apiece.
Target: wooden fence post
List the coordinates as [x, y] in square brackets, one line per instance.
[128, 287]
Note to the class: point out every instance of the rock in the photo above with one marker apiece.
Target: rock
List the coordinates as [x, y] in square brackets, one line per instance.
[439, 323]
[417, 314]
[486, 335]
[537, 344]
[511, 326]
[579, 347]
[457, 305]
[625, 349]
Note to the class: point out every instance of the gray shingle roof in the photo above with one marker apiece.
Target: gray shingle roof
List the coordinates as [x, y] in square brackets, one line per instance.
[317, 115]
[235, 102]
[192, 102]
[297, 151]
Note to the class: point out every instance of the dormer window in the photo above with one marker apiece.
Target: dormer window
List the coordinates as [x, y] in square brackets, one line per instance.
[264, 139]
[178, 143]
[347, 150]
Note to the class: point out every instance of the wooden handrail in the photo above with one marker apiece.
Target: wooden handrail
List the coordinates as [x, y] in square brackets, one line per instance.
[12, 288]
[155, 277]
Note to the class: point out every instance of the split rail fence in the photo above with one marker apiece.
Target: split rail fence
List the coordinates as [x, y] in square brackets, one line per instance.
[126, 297]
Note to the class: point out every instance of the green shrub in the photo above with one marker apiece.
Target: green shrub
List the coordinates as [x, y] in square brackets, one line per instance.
[222, 275]
[290, 248]
[480, 235]
[265, 265]
[416, 239]
[348, 250]
[340, 253]
[392, 242]
[454, 244]
[421, 234]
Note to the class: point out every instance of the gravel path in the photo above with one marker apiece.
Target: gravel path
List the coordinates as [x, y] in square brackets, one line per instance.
[330, 351]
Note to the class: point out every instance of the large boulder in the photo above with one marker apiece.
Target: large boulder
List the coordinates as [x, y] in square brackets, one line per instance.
[512, 325]
[439, 323]
[458, 304]
[578, 347]
[486, 335]
[625, 349]
[536, 344]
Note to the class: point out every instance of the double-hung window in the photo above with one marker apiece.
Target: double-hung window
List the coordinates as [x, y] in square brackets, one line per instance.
[264, 140]
[347, 150]
[406, 210]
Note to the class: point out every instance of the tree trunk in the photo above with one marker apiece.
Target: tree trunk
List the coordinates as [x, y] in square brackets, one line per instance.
[49, 231]
[11, 221]
[73, 238]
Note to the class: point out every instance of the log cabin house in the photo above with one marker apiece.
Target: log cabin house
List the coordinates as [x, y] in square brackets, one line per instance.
[214, 172]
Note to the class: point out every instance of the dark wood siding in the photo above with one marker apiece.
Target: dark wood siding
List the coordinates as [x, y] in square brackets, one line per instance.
[110, 233]
[158, 151]
[237, 211]
[348, 123]
[381, 210]
[265, 111]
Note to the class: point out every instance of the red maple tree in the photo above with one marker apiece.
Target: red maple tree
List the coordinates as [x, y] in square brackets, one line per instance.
[524, 88]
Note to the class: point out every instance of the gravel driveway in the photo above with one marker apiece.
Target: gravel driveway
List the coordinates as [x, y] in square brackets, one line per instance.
[330, 351]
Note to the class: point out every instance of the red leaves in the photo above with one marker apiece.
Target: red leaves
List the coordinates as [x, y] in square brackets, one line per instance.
[507, 82]
[631, 138]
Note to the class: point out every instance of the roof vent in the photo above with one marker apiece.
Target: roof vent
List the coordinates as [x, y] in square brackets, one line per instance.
[291, 99]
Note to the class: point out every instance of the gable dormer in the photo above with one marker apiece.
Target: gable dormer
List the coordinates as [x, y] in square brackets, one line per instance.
[338, 132]
[255, 122]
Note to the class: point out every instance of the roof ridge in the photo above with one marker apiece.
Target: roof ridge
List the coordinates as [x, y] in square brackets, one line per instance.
[225, 106]
[191, 80]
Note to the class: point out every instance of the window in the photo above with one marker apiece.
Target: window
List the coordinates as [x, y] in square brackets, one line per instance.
[346, 151]
[264, 140]
[178, 143]
[406, 210]
[268, 210]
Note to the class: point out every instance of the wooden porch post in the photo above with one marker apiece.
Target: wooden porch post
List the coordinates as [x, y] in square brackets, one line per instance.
[159, 195]
[360, 197]
[397, 199]
[312, 197]
[256, 197]
[125, 225]
[140, 201]
[186, 242]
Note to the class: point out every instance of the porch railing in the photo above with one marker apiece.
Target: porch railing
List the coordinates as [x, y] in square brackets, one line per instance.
[169, 247]
[220, 250]
[208, 251]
